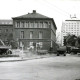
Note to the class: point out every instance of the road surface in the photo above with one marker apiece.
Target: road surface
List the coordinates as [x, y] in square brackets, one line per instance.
[53, 68]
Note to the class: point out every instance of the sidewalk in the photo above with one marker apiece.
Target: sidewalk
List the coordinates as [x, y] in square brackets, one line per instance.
[23, 56]
[30, 57]
[13, 59]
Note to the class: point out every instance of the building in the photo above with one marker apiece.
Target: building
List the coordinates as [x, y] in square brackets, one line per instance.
[70, 26]
[34, 30]
[6, 30]
[58, 38]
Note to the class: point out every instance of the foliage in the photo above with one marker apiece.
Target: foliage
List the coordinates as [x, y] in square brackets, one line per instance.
[77, 44]
[79, 40]
[14, 44]
[11, 41]
[71, 40]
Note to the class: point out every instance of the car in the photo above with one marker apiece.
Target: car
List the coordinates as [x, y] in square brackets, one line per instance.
[4, 49]
[61, 50]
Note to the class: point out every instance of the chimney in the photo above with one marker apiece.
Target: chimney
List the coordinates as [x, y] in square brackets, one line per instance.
[34, 11]
[74, 15]
[28, 13]
[70, 16]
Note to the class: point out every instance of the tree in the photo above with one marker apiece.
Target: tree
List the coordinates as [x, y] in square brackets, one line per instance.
[77, 44]
[71, 40]
[10, 37]
[11, 41]
[14, 44]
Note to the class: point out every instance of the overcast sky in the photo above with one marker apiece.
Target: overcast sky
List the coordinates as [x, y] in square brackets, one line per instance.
[59, 10]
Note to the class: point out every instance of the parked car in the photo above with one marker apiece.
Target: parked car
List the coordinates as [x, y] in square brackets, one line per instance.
[61, 50]
[4, 49]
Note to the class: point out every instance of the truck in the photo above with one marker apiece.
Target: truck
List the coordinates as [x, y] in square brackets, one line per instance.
[4, 49]
[61, 50]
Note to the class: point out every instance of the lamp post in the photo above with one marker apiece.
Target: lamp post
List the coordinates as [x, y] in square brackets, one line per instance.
[22, 51]
[21, 45]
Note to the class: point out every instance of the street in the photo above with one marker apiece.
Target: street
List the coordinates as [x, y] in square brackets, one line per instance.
[53, 68]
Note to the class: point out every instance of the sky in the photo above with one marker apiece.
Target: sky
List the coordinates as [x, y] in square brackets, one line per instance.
[59, 10]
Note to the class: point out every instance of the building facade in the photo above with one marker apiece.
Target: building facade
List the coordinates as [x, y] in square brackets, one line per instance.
[70, 26]
[6, 30]
[34, 30]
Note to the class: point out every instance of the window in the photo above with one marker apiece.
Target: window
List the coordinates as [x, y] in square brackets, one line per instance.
[18, 24]
[41, 25]
[6, 22]
[36, 25]
[21, 44]
[31, 44]
[27, 24]
[22, 35]
[10, 22]
[49, 24]
[0, 30]
[6, 30]
[31, 34]
[40, 35]
[39, 44]
[45, 25]
[31, 25]
[22, 24]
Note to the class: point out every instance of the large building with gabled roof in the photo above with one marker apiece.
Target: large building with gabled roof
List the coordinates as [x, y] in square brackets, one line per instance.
[34, 30]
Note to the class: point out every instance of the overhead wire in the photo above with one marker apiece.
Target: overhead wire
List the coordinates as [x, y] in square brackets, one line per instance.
[57, 9]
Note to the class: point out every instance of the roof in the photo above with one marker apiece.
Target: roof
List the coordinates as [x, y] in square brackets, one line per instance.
[34, 14]
[6, 22]
[73, 19]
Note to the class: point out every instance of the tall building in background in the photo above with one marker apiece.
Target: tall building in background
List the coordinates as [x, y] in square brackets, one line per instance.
[70, 26]
[58, 38]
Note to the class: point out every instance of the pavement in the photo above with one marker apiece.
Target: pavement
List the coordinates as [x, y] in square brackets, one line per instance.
[29, 57]
[52, 68]
[23, 58]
